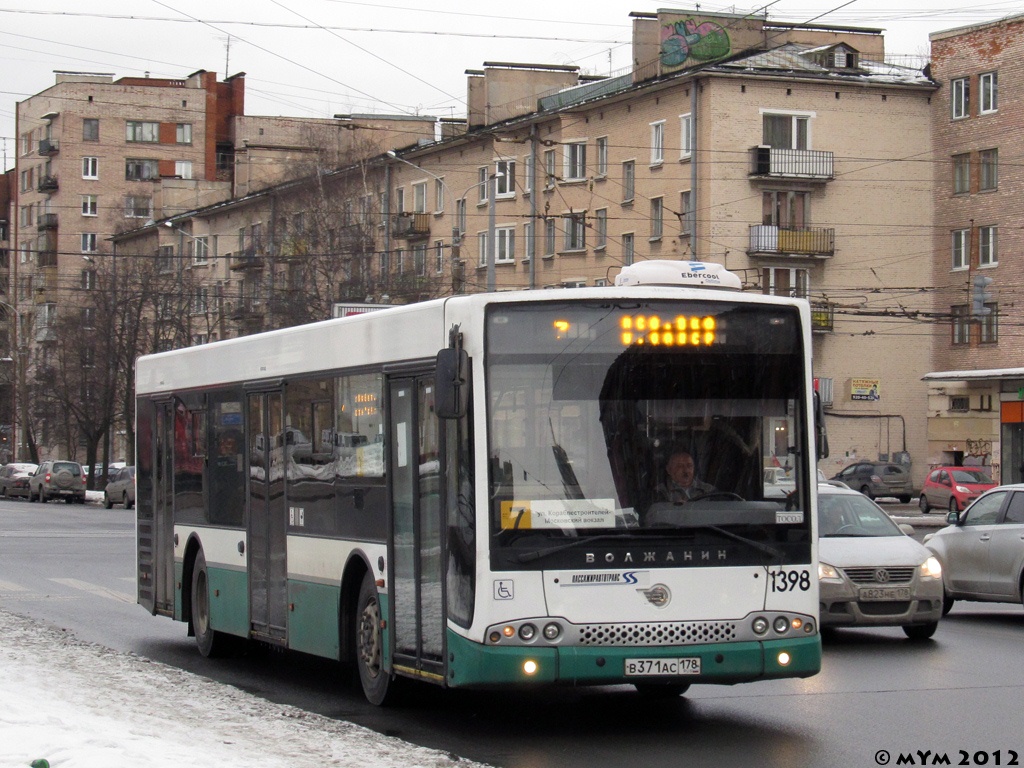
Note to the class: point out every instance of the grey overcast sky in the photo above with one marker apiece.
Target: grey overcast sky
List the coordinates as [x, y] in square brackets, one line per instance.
[318, 58]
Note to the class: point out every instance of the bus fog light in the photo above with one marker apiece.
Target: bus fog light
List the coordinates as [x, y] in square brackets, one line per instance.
[809, 627]
[552, 631]
[781, 624]
[760, 625]
[530, 667]
[508, 630]
[797, 623]
[494, 637]
[527, 632]
[784, 658]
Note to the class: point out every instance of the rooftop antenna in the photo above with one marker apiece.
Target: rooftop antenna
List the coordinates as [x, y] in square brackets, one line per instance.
[227, 56]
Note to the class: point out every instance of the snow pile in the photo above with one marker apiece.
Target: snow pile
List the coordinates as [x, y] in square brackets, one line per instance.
[80, 705]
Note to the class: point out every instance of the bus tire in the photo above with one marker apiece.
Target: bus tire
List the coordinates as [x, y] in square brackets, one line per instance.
[378, 687]
[211, 643]
[661, 691]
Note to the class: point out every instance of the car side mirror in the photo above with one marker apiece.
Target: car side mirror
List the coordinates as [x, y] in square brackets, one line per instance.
[953, 518]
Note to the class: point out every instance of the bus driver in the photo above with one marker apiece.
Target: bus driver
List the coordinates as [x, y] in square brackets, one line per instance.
[682, 483]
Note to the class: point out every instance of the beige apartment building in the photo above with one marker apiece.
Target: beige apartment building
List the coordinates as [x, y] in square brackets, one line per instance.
[976, 382]
[789, 153]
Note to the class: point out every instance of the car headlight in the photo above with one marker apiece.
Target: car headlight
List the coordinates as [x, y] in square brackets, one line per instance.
[961, 489]
[826, 571]
[931, 568]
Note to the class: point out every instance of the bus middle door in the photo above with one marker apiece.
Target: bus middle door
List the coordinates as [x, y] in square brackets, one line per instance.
[417, 565]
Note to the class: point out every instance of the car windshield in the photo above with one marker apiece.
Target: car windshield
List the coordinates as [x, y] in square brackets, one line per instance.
[971, 476]
[849, 514]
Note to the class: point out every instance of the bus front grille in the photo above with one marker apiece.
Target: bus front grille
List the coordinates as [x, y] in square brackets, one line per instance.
[661, 633]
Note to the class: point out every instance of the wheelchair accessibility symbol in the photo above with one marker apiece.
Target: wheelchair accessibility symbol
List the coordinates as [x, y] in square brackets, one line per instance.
[503, 589]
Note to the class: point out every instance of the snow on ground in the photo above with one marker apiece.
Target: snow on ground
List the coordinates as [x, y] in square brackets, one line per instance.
[81, 705]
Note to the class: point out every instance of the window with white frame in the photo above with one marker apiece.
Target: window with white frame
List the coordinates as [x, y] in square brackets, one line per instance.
[419, 259]
[988, 84]
[960, 249]
[685, 135]
[400, 261]
[988, 253]
[962, 173]
[785, 281]
[460, 215]
[686, 212]
[575, 166]
[988, 162]
[504, 245]
[658, 142]
[600, 228]
[505, 181]
[400, 200]
[549, 168]
[419, 197]
[90, 167]
[602, 156]
[960, 97]
[201, 250]
[575, 226]
[438, 195]
[90, 205]
[482, 184]
[528, 241]
[549, 236]
[385, 264]
[628, 248]
[528, 174]
[89, 242]
[657, 217]
[183, 169]
[786, 130]
[183, 133]
[481, 246]
[142, 130]
[200, 300]
[628, 181]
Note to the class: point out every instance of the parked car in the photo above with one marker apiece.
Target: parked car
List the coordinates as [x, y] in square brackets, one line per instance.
[878, 478]
[121, 488]
[953, 488]
[779, 482]
[58, 480]
[14, 478]
[872, 573]
[982, 548]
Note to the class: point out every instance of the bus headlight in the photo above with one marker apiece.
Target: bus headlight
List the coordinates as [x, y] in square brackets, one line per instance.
[552, 631]
[527, 632]
[781, 624]
[759, 625]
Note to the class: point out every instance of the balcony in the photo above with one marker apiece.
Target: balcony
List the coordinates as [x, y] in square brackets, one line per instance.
[822, 317]
[805, 164]
[247, 311]
[48, 147]
[412, 226]
[813, 242]
[246, 259]
[46, 221]
[47, 184]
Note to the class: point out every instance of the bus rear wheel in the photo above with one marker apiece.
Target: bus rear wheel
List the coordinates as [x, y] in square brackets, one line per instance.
[378, 687]
[211, 642]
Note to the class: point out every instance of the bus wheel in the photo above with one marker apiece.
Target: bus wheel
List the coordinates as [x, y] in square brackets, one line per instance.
[661, 691]
[377, 683]
[211, 642]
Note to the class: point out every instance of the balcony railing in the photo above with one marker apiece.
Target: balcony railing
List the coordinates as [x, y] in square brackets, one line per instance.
[247, 310]
[822, 317]
[46, 221]
[412, 225]
[816, 242]
[773, 163]
[47, 184]
[48, 147]
[246, 259]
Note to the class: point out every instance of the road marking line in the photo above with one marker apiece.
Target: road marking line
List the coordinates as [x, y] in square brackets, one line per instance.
[95, 589]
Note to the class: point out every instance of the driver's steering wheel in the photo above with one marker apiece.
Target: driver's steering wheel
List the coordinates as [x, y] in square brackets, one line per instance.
[718, 494]
[847, 527]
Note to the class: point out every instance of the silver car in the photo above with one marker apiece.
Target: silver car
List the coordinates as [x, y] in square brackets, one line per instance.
[870, 572]
[121, 488]
[982, 549]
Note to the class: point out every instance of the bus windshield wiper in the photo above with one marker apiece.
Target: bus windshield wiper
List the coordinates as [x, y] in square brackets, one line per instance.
[768, 549]
[537, 554]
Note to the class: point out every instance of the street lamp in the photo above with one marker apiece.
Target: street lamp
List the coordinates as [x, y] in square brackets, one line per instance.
[18, 389]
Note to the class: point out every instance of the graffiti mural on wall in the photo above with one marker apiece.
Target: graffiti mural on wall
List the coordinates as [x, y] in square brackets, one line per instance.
[692, 40]
[978, 454]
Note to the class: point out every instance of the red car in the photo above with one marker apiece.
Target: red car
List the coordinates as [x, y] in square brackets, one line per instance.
[953, 488]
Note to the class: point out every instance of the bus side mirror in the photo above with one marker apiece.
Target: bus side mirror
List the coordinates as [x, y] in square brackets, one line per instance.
[820, 433]
[452, 383]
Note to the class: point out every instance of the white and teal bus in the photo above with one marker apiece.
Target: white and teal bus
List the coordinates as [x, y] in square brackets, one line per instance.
[466, 491]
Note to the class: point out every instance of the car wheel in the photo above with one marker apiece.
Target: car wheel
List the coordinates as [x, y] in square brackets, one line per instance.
[378, 685]
[126, 501]
[107, 502]
[866, 491]
[904, 499]
[211, 642]
[918, 632]
[31, 496]
[947, 603]
[923, 504]
[953, 505]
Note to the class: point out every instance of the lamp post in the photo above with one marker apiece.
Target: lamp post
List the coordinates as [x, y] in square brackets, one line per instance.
[19, 352]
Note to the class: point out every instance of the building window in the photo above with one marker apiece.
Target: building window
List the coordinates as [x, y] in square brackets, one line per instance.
[138, 130]
[201, 250]
[141, 170]
[961, 173]
[685, 135]
[460, 215]
[481, 245]
[988, 252]
[628, 181]
[419, 259]
[961, 325]
[88, 279]
[200, 300]
[988, 325]
[600, 228]
[528, 240]
[89, 317]
[400, 200]
[988, 84]
[183, 169]
[138, 207]
[658, 142]
[657, 217]
[183, 133]
[786, 131]
[385, 264]
[90, 129]
[165, 258]
[504, 245]
[90, 205]
[419, 197]
[628, 249]
[88, 242]
[602, 156]
[549, 168]
[438, 256]
[549, 236]
[959, 403]
[400, 261]
[783, 281]
[505, 181]
[575, 167]
[575, 231]
[482, 184]
[961, 245]
[528, 175]
[782, 208]
[960, 97]
[90, 167]
[989, 177]
[438, 195]
[685, 212]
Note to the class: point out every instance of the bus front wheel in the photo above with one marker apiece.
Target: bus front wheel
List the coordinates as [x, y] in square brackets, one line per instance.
[211, 642]
[377, 683]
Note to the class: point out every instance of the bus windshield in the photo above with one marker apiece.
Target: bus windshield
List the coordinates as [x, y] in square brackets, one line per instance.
[648, 421]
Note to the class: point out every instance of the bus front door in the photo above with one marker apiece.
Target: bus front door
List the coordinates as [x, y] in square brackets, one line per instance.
[417, 610]
[267, 523]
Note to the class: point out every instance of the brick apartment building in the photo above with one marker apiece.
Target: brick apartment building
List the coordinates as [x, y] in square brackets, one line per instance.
[976, 382]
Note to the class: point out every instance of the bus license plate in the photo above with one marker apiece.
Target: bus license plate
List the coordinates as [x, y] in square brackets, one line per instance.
[685, 665]
[885, 593]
